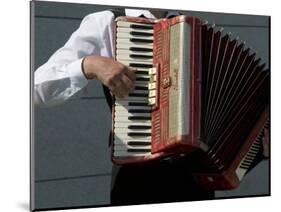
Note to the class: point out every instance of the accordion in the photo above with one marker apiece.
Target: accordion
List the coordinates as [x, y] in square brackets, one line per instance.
[199, 93]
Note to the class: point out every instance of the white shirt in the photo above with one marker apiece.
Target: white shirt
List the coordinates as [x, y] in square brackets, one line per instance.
[61, 76]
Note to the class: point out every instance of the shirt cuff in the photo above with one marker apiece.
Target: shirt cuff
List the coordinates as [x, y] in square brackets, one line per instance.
[77, 77]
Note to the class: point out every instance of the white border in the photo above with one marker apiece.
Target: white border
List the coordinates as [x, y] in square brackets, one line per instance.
[14, 85]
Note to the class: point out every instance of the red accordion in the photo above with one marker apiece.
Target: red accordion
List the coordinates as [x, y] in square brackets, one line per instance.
[199, 94]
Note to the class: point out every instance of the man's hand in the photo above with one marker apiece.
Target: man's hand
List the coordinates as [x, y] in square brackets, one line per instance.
[117, 77]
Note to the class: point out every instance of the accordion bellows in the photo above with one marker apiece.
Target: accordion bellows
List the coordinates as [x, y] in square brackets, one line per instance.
[199, 94]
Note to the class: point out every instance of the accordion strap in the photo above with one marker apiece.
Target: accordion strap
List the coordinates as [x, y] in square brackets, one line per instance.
[117, 12]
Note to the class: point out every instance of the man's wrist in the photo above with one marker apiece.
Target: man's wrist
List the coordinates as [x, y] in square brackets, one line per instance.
[87, 68]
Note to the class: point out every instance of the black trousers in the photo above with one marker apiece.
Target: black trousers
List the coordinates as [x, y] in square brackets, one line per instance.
[160, 182]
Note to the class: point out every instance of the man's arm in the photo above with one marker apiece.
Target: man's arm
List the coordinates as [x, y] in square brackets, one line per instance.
[86, 55]
[116, 76]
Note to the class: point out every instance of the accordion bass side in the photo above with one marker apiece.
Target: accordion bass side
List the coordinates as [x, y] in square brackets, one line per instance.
[199, 94]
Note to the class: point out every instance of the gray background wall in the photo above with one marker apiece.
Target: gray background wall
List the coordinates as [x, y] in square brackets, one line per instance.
[72, 164]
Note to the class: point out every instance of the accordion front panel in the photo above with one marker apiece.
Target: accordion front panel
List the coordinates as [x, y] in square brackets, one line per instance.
[157, 114]
[175, 114]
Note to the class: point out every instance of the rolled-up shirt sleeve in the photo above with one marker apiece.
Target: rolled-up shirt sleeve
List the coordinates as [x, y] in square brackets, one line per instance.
[61, 76]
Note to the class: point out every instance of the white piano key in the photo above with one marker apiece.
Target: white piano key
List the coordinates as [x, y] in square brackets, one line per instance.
[132, 99]
[129, 145]
[127, 104]
[125, 136]
[129, 108]
[126, 140]
[128, 57]
[124, 119]
[142, 75]
[133, 40]
[126, 107]
[124, 32]
[126, 42]
[136, 152]
[129, 24]
[121, 148]
[132, 112]
[126, 127]
[128, 30]
[130, 103]
[130, 35]
[121, 52]
[126, 130]
[119, 117]
[132, 133]
[129, 45]
[141, 83]
[122, 102]
[127, 113]
[118, 140]
[130, 122]
[134, 50]
[128, 154]
[128, 62]
[126, 146]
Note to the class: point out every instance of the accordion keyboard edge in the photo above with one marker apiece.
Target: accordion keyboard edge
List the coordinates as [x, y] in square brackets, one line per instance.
[132, 116]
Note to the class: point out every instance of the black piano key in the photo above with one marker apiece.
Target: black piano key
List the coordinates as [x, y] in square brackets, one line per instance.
[143, 79]
[137, 104]
[138, 127]
[136, 118]
[139, 134]
[142, 72]
[141, 88]
[139, 40]
[139, 111]
[137, 56]
[138, 150]
[139, 49]
[244, 167]
[138, 94]
[136, 26]
[138, 143]
[140, 65]
[134, 33]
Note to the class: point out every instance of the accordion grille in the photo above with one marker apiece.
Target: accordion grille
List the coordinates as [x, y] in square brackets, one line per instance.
[235, 91]
[156, 127]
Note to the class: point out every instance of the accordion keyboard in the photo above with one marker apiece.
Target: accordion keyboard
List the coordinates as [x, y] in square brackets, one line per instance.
[132, 122]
